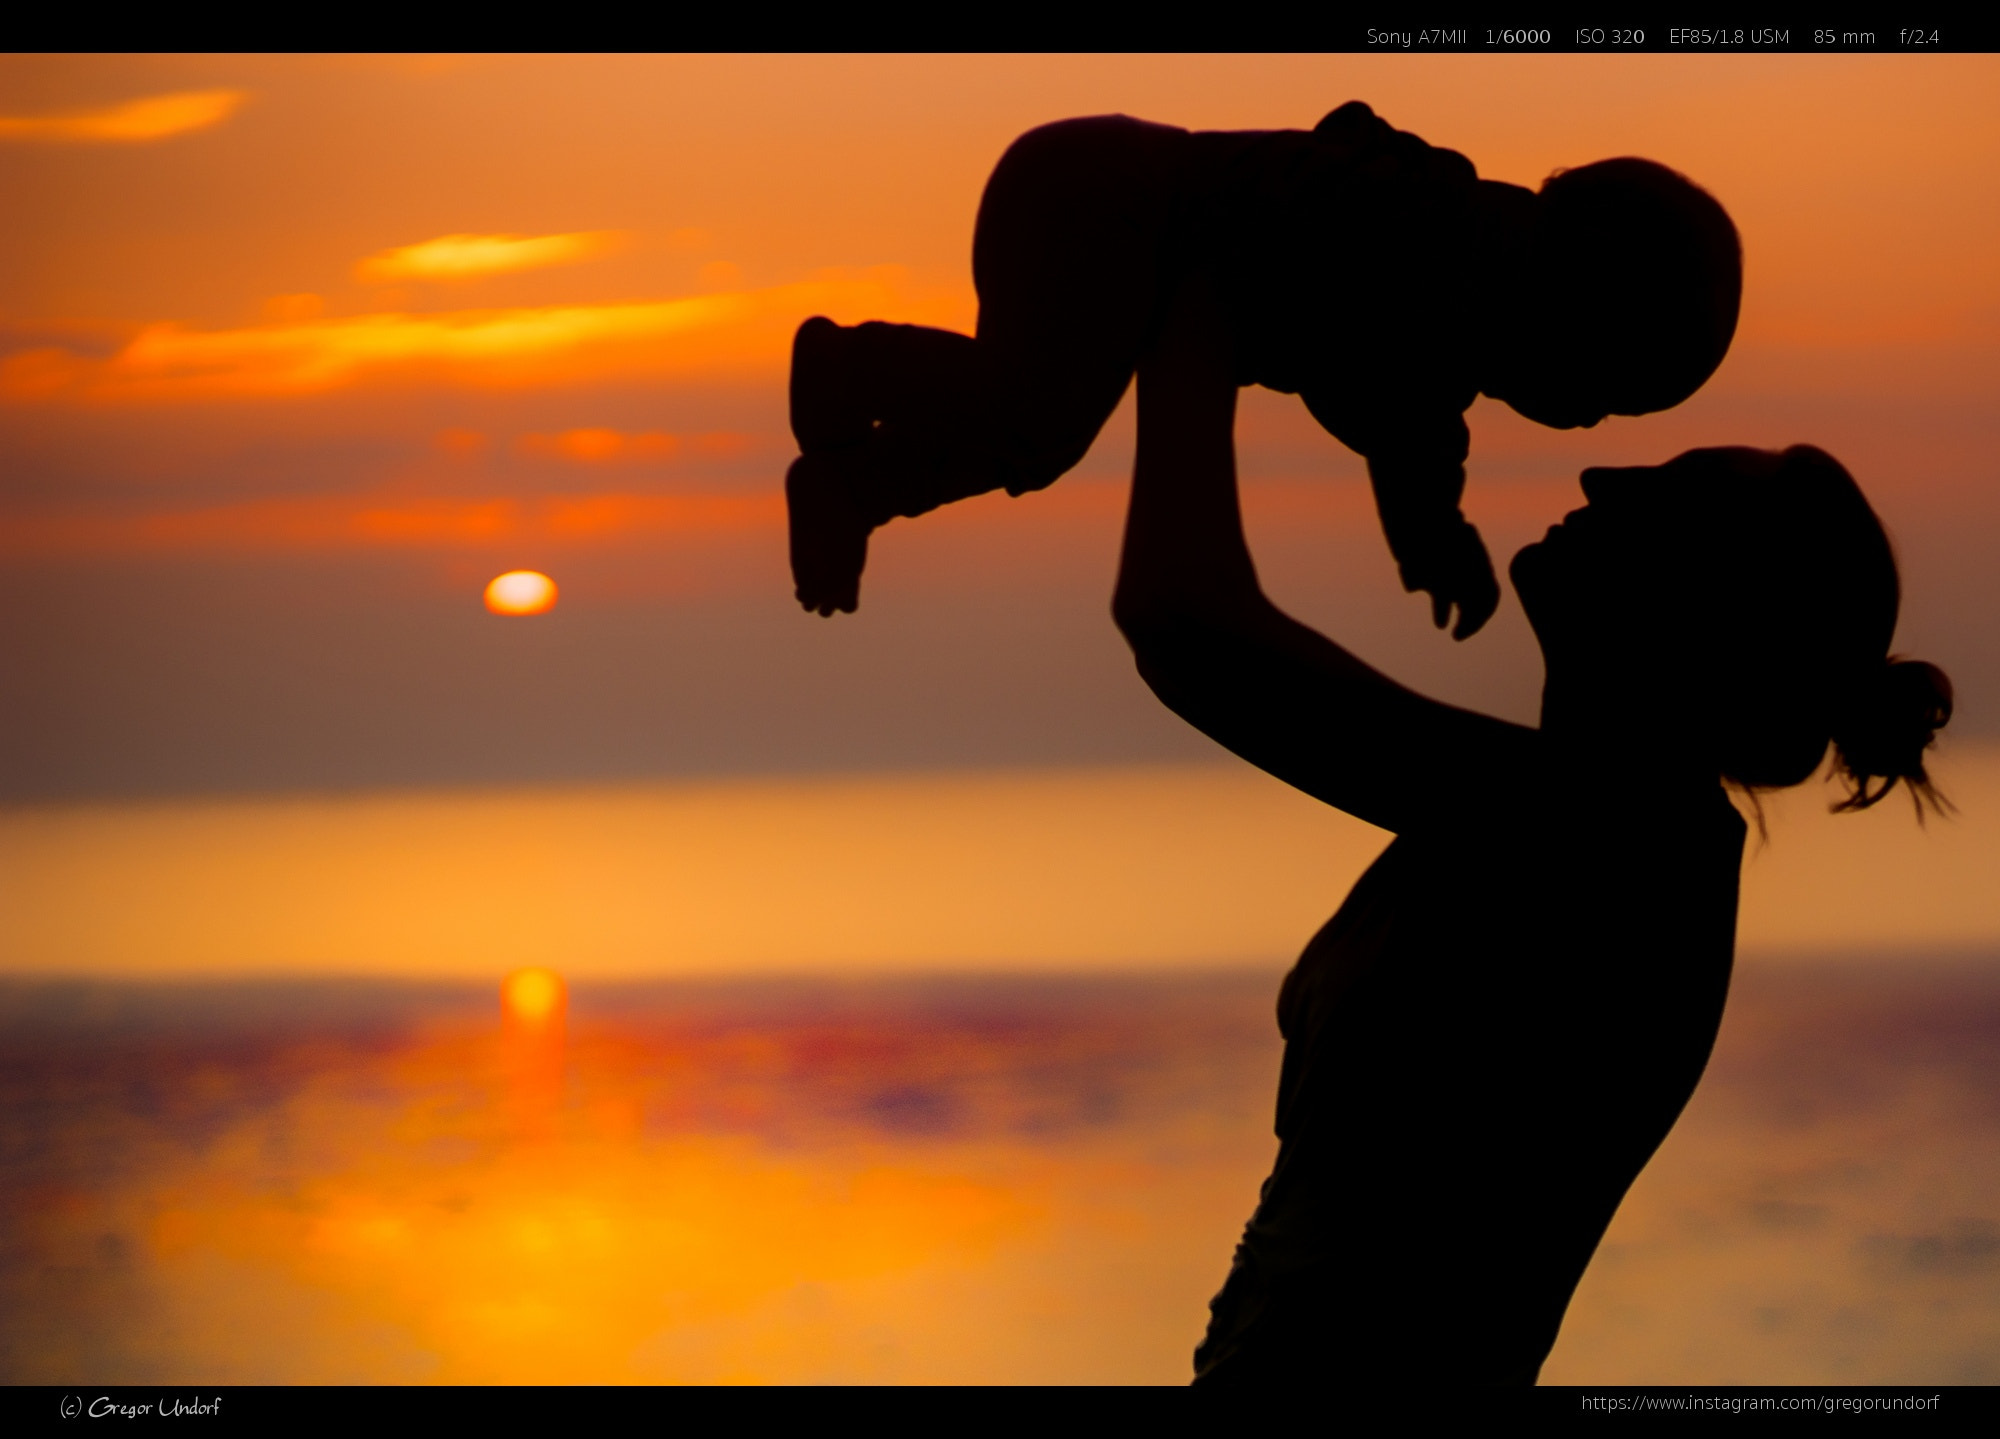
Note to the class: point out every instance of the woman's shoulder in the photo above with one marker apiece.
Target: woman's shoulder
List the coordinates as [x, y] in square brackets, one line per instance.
[1506, 778]
[1633, 841]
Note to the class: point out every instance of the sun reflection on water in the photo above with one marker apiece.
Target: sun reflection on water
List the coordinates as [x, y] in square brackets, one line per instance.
[683, 1187]
[1031, 1180]
[534, 1003]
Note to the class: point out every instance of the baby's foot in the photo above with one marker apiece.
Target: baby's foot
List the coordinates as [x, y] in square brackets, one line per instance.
[829, 533]
[827, 412]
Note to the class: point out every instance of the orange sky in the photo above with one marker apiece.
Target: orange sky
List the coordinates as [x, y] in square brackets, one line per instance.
[394, 325]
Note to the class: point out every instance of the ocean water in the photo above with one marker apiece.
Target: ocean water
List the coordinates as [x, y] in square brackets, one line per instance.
[1022, 1179]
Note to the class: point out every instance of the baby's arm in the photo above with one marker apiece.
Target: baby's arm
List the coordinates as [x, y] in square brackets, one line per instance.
[1436, 548]
[1216, 650]
[1416, 461]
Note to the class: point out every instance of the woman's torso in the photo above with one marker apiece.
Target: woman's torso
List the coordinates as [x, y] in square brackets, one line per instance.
[1483, 1048]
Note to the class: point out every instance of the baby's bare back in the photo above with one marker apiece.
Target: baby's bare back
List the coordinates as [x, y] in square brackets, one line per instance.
[1073, 255]
[1317, 237]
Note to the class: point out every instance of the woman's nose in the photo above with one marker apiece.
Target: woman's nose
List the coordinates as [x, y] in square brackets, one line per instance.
[1602, 482]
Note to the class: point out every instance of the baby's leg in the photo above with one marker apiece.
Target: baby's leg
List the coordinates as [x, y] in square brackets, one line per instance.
[893, 420]
[1069, 258]
[911, 402]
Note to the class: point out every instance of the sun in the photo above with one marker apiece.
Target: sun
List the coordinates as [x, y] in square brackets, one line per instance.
[521, 592]
[532, 996]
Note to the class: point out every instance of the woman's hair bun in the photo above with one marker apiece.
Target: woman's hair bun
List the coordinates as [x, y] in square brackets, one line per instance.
[1890, 720]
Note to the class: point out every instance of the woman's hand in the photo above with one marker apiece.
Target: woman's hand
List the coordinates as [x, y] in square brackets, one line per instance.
[1219, 654]
[1184, 547]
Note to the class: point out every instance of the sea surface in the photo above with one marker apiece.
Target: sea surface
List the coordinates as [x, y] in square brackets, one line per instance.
[1021, 1179]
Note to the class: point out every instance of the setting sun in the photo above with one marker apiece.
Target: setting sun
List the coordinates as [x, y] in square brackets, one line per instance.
[521, 592]
[532, 996]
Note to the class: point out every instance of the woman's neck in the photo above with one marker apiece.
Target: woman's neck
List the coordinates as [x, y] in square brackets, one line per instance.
[1615, 731]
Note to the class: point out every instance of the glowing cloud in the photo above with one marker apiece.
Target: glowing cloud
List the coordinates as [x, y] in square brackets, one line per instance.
[459, 443]
[157, 117]
[293, 309]
[605, 516]
[320, 522]
[463, 257]
[599, 446]
[705, 336]
[594, 446]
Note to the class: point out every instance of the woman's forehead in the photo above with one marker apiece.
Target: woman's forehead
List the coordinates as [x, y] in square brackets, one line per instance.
[1730, 462]
[1710, 473]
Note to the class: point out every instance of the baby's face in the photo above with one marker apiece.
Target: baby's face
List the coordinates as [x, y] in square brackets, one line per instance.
[1559, 406]
[1547, 380]
[1567, 364]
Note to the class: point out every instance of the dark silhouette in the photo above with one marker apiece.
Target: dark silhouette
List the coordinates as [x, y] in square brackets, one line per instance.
[1489, 1040]
[1377, 277]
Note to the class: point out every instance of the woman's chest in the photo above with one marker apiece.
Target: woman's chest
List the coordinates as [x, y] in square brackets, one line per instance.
[1456, 940]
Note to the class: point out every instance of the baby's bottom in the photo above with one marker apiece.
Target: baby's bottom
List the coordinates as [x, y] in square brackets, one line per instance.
[1071, 259]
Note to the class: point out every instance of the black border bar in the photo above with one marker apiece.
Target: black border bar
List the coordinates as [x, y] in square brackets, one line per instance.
[533, 1408]
[1689, 32]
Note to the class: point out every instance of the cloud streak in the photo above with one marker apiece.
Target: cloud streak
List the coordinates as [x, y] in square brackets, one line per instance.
[136, 122]
[464, 257]
[324, 522]
[747, 332]
[601, 446]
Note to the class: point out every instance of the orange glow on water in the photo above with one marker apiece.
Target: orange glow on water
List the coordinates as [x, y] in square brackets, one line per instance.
[702, 1193]
[521, 592]
[534, 1003]
[915, 1184]
[1127, 866]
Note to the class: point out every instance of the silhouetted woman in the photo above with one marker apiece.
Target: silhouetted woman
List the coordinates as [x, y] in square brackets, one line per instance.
[1490, 1039]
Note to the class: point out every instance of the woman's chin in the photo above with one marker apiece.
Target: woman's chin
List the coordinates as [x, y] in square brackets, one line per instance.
[1526, 569]
[1534, 574]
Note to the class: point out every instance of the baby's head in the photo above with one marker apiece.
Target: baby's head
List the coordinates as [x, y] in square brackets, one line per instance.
[1638, 277]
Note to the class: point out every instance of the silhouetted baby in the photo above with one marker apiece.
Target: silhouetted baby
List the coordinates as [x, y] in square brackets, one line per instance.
[1375, 276]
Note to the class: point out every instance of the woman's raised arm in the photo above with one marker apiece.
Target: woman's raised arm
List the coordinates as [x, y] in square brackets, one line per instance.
[1219, 654]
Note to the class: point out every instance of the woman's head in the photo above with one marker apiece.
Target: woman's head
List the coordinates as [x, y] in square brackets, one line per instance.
[1745, 601]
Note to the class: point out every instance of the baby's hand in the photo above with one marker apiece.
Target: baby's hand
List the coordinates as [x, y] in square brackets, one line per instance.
[1457, 571]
